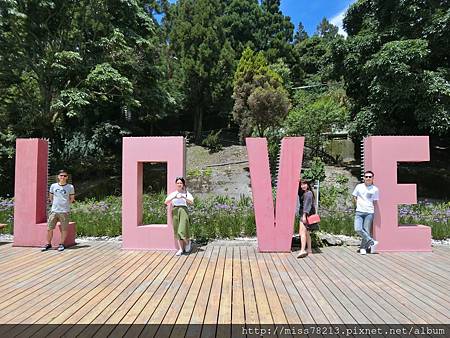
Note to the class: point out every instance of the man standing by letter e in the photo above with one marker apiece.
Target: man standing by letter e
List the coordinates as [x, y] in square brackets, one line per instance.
[364, 196]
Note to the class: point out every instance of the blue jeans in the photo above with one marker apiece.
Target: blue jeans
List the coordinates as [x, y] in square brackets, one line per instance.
[363, 226]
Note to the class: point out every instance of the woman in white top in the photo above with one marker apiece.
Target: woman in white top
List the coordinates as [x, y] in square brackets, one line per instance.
[179, 200]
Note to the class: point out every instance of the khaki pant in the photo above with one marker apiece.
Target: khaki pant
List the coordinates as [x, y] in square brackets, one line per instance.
[61, 217]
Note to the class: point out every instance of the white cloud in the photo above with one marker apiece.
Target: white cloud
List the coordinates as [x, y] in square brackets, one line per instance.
[337, 21]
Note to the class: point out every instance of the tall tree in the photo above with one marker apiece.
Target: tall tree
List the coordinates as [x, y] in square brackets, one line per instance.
[197, 40]
[82, 73]
[301, 34]
[316, 113]
[313, 55]
[395, 63]
[275, 32]
[327, 30]
[261, 101]
[241, 20]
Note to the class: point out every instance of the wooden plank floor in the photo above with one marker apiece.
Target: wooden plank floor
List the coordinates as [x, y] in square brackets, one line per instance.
[98, 283]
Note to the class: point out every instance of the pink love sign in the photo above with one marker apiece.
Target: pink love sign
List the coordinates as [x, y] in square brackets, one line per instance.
[274, 224]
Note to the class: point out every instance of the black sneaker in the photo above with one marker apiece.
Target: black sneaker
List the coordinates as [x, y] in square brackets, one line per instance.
[46, 247]
[61, 247]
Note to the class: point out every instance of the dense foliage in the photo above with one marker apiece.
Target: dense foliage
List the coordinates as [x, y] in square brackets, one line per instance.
[86, 73]
[396, 66]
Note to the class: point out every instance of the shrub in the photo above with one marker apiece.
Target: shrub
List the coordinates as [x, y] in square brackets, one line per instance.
[224, 217]
[212, 142]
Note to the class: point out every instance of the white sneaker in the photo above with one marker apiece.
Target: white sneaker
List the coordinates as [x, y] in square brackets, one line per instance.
[179, 252]
[373, 247]
[188, 246]
[362, 251]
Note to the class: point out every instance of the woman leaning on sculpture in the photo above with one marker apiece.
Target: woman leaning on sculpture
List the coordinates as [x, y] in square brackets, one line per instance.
[306, 209]
[179, 199]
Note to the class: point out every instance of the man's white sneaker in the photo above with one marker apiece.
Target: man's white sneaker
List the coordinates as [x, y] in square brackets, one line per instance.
[362, 251]
[373, 247]
[179, 252]
[188, 246]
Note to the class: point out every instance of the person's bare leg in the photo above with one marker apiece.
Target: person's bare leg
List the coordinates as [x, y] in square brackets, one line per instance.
[63, 236]
[302, 232]
[180, 247]
[308, 242]
[188, 245]
[49, 236]
[181, 244]
[302, 237]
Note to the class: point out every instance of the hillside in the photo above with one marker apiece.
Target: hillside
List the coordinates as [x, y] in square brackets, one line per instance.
[226, 172]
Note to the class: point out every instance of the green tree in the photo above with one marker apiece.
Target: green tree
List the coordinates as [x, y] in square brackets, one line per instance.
[197, 39]
[261, 102]
[395, 63]
[315, 114]
[240, 22]
[275, 32]
[301, 34]
[326, 30]
[282, 69]
[72, 69]
[314, 56]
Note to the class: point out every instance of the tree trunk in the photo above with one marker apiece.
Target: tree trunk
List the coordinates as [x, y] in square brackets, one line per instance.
[46, 93]
[198, 123]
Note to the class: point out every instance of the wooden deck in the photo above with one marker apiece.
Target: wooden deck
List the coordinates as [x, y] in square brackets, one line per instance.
[98, 283]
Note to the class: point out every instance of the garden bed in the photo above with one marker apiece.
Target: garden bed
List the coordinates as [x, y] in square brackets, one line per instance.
[226, 218]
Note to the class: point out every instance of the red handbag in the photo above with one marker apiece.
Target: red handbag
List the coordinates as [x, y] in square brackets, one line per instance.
[313, 219]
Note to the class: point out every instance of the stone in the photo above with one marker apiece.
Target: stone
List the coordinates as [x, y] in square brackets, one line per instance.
[329, 239]
[352, 242]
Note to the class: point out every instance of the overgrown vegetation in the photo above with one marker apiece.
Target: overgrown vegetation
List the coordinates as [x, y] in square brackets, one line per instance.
[223, 217]
[86, 73]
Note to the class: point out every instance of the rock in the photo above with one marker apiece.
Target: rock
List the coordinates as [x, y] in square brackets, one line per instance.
[352, 242]
[329, 239]
[6, 238]
[239, 241]
[349, 241]
[435, 242]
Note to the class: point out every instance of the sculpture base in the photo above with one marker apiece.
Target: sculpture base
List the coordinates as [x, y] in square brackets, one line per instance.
[37, 237]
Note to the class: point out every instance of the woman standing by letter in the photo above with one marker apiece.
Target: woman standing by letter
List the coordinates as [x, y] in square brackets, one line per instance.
[306, 209]
[180, 199]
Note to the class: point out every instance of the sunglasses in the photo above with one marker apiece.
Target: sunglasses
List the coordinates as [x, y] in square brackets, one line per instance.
[368, 176]
[63, 175]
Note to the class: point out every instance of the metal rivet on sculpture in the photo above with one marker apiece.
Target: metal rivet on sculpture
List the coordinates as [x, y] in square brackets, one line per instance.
[381, 154]
[31, 194]
[136, 151]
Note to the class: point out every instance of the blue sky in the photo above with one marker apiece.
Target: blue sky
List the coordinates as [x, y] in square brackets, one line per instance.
[311, 12]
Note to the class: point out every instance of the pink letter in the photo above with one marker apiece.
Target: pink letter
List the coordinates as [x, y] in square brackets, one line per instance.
[30, 196]
[275, 233]
[136, 151]
[381, 154]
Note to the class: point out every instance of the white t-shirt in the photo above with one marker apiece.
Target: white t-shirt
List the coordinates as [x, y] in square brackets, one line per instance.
[61, 197]
[365, 195]
[177, 202]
